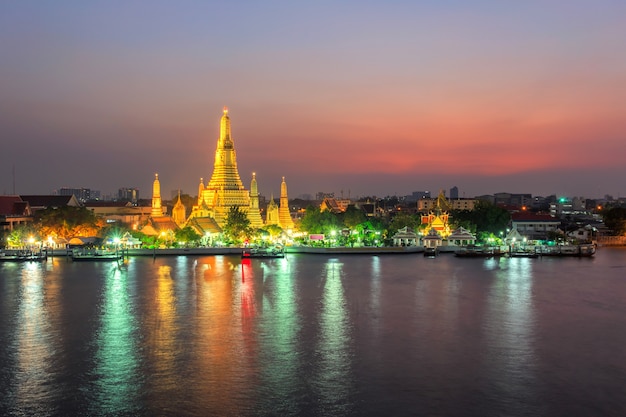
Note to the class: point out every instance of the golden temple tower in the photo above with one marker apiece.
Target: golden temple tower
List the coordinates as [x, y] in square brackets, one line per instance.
[271, 215]
[157, 209]
[225, 188]
[179, 212]
[284, 216]
[254, 213]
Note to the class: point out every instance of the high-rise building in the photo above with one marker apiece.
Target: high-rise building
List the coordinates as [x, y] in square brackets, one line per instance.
[81, 194]
[454, 193]
[128, 194]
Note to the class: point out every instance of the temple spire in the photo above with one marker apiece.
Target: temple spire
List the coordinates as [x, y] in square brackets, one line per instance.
[224, 128]
[157, 210]
[284, 214]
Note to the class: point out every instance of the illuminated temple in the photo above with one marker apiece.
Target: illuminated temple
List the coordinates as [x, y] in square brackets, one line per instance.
[225, 188]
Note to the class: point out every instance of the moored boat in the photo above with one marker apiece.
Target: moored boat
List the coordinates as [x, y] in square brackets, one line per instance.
[431, 252]
[478, 252]
[97, 256]
[273, 252]
[582, 250]
[23, 256]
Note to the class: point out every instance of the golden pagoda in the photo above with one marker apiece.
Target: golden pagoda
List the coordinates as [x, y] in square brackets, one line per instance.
[157, 209]
[225, 189]
[254, 213]
[179, 214]
[284, 215]
[271, 215]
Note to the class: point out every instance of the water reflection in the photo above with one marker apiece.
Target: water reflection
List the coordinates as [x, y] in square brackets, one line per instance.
[375, 294]
[221, 355]
[160, 326]
[116, 361]
[333, 380]
[509, 323]
[34, 374]
[278, 329]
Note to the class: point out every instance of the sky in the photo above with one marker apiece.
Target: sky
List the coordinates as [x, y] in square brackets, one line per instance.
[359, 98]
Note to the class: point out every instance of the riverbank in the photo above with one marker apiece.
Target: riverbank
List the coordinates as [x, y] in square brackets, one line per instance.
[365, 250]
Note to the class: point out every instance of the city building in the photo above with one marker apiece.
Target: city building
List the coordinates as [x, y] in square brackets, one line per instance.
[454, 193]
[14, 212]
[81, 194]
[534, 226]
[428, 204]
[42, 202]
[123, 212]
[128, 194]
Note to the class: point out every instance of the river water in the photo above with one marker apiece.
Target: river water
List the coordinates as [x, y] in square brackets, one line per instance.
[315, 335]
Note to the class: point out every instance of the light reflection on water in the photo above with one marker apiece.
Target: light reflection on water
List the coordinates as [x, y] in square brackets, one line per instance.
[116, 364]
[306, 335]
[34, 344]
[333, 380]
[508, 326]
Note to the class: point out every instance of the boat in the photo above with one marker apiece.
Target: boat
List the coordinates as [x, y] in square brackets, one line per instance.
[97, 256]
[478, 252]
[522, 254]
[23, 256]
[582, 250]
[273, 252]
[431, 252]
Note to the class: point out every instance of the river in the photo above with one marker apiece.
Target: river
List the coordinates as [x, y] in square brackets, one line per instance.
[315, 335]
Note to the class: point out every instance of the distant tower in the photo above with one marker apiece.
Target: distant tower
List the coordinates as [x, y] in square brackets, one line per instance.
[284, 216]
[454, 193]
[179, 214]
[271, 217]
[200, 190]
[157, 209]
[254, 214]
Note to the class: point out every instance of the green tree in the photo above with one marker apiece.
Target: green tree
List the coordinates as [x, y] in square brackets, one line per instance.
[237, 227]
[401, 220]
[353, 217]
[317, 221]
[486, 217]
[21, 235]
[273, 230]
[187, 235]
[615, 219]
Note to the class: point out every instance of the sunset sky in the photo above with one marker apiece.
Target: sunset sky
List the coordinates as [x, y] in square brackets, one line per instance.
[354, 97]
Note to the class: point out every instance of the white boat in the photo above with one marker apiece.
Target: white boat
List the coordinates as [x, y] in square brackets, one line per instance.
[583, 250]
[97, 256]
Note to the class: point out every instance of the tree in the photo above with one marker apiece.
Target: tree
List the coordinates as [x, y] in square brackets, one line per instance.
[187, 235]
[353, 217]
[273, 230]
[67, 222]
[237, 227]
[486, 217]
[317, 221]
[401, 220]
[615, 219]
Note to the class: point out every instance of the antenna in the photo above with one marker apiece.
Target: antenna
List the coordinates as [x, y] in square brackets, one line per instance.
[13, 179]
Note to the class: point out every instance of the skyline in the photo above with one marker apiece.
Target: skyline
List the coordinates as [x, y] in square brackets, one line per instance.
[368, 98]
